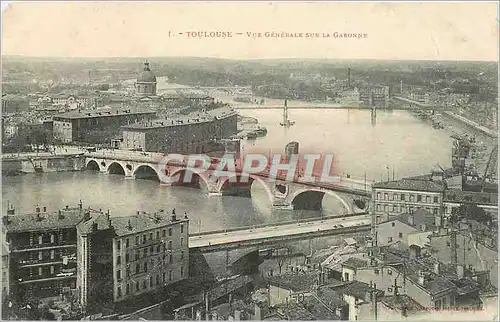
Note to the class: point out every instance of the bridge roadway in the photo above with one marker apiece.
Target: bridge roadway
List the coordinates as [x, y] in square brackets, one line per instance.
[284, 232]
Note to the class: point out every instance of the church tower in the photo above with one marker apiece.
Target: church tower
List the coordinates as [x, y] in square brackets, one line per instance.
[146, 82]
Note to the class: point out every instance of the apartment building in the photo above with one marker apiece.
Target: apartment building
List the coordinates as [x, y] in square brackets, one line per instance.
[122, 257]
[41, 252]
[393, 198]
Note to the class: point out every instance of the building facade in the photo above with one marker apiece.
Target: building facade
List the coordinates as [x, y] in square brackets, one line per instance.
[190, 134]
[393, 198]
[96, 126]
[42, 252]
[129, 256]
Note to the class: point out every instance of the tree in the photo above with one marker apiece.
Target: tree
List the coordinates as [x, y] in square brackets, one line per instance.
[282, 254]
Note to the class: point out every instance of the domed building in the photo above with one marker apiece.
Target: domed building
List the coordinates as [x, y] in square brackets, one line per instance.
[146, 82]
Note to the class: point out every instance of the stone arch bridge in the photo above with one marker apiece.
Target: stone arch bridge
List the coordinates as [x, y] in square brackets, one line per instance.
[353, 196]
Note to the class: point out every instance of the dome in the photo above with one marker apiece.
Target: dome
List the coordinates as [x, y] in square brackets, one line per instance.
[146, 75]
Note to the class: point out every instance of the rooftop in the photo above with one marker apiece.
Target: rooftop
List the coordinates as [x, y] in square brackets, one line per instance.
[145, 221]
[357, 289]
[402, 302]
[197, 117]
[412, 184]
[103, 112]
[470, 197]
[295, 282]
[355, 263]
[65, 218]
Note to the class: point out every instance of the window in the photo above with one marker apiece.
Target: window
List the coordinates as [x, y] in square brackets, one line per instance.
[40, 270]
[393, 224]
[150, 236]
[119, 274]
[157, 235]
[127, 289]
[386, 196]
[144, 285]
[389, 272]
[118, 245]
[428, 199]
[434, 211]
[182, 241]
[182, 229]
[385, 207]
[435, 199]
[182, 271]
[151, 250]
[157, 279]
[403, 197]
[40, 239]
[378, 207]
[158, 248]
[137, 286]
[164, 233]
[163, 277]
[412, 198]
[127, 258]
[170, 231]
[182, 254]
[376, 271]
[389, 239]
[52, 238]
[169, 244]
[119, 291]
[137, 268]
[151, 281]
[145, 252]
[419, 198]
[118, 260]
[170, 275]
[137, 240]
[378, 195]
[52, 254]
[400, 235]
[143, 238]
[51, 270]
[146, 267]
[40, 256]
[170, 258]
[127, 243]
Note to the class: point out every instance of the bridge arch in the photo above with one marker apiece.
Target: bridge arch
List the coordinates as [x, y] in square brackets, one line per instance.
[92, 165]
[197, 174]
[116, 168]
[316, 195]
[251, 180]
[146, 171]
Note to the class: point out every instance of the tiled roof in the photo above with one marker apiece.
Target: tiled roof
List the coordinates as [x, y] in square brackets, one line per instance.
[143, 222]
[357, 289]
[68, 218]
[412, 184]
[192, 118]
[355, 263]
[470, 197]
[402, 302]
[295, 282]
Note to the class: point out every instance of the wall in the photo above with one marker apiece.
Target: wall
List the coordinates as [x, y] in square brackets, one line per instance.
[278, 295]
[48, 164]
[384, 279]
[62, 131]
[391, 230]
[419, 238]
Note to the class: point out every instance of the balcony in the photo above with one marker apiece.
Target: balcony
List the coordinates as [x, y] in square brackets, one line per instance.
[43, 246]
[47, 278]
[58, 260]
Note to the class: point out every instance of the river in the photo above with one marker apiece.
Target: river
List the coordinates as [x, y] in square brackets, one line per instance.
[398, 144]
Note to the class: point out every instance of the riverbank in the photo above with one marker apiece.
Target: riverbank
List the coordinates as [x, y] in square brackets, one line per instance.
[476, 126]
[248, 127]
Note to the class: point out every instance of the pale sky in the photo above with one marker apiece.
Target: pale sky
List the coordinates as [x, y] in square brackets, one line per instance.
[421, 31]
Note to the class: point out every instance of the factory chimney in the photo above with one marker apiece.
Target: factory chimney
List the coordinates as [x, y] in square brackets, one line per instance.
[349, 77]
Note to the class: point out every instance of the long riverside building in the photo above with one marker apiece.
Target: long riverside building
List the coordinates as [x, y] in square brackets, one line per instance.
[183, 134]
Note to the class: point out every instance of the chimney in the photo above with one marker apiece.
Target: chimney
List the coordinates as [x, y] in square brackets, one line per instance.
[86, 215]
[460, 271]
[437, 268]
[37, 209]
[129, 225]
[80, 205]
[60, 215]
[411, 220]
[421, 278]
[44, 209]
[349, 77]
[185, 215]
[67, 207]
[174, 217]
